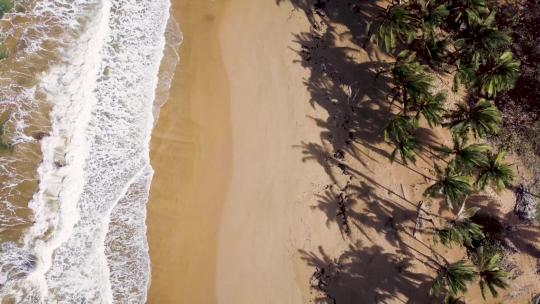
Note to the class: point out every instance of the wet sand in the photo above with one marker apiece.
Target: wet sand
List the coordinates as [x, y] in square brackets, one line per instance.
[191, 154]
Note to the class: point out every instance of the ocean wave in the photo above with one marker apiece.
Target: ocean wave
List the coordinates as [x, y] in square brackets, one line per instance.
[88, 230]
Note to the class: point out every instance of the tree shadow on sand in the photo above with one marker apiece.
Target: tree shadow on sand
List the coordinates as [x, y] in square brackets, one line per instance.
[355, 98]
[506, 228]
[366, 275]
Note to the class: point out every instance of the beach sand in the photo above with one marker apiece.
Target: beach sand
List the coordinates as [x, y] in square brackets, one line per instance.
[191, 156]
[229, 137]
[256, 149]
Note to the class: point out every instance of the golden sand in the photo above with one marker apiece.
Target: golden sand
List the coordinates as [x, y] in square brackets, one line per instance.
[190, 152]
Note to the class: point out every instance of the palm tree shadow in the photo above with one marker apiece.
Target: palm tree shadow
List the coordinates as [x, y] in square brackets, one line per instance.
[506, 227]
[366, 275]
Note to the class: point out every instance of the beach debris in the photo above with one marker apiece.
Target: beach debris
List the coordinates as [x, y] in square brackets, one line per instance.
[340, 155]
[526, 205]
[421, 216]
[342, 215]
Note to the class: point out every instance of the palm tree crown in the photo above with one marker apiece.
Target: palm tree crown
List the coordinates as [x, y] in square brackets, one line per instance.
[431, 107]
[452, 184]
[496, 172]
[462, 230]
[497, 75]
[491, 276]
[454, 278]
[482, 119]
[467, 157]
[396, 25]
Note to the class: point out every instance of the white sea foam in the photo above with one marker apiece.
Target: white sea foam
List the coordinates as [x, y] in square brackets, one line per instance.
[88, 243]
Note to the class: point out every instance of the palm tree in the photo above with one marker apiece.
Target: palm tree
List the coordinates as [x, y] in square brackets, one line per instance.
[431, 107]
[482, 119]
[396, 24]
[406, 148]
[497, 75]
[462, 230]
[431, 44]
[490, 272]
[450, 183]
[467, 157]
[480, 41]
[400, 132]
[453, 278]
[400, 128]
[464, 13]
[411, 81]
[495, 172]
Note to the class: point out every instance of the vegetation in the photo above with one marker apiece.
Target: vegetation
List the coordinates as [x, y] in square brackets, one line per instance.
[460, 37]
[462, 230]
[452, 184]
[453, 278]
[495, 172]
[5, 6]
[490, 274]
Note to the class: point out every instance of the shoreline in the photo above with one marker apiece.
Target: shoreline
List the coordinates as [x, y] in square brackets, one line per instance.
[190, 147]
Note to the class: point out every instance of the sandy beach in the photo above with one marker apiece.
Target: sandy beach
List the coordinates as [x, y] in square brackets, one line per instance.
[191, 156]
[192, 153]
[255, 161]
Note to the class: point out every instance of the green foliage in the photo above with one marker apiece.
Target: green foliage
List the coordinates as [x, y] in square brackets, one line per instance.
[453, 278]
[406, 148]
[482, 119]
[481, 41]
[497, 75]
[495, 172]
[5, 6]
[411, 81]
[462, 230]
[467, 12]
[490, 273]
[452, 184]
[431, 107]
[467, 157]
[396, 25]
[400, 128]
[400, 132]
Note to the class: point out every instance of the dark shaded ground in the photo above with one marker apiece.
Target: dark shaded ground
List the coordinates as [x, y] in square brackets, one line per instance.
[360, 275]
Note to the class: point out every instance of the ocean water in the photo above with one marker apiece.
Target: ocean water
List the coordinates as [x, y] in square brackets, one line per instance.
[82, 96]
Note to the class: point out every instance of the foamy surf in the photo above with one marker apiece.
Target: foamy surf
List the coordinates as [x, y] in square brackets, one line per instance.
[87, 243]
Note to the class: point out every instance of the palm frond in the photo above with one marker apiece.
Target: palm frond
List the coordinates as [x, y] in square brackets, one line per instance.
[499, 75]
[491, 275]
[450, 183]
[453, 278]
[495, 172]
[396, 25]
[482, 119]
[462, 230]
[431, 107]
